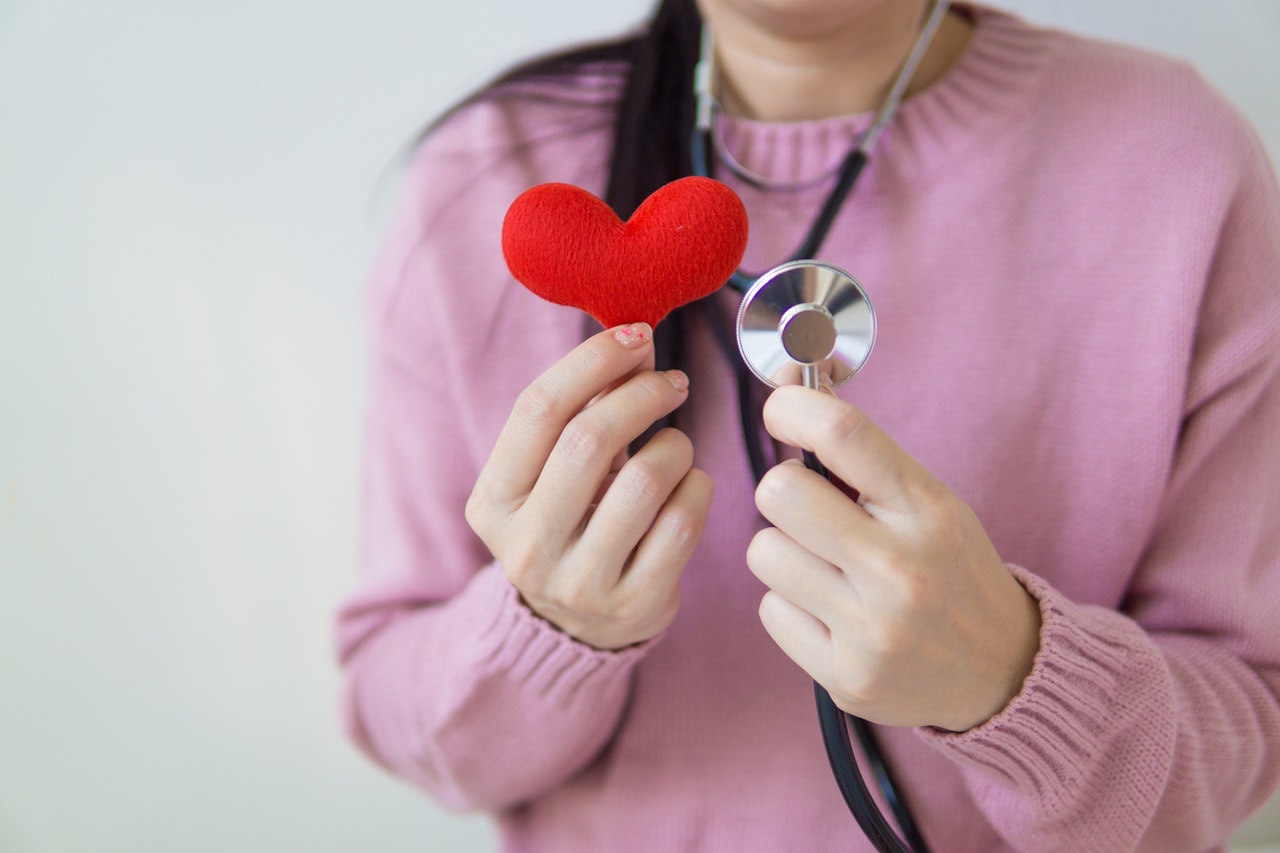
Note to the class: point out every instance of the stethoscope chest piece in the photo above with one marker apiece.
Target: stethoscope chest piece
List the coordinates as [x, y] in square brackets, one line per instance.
[808, 315]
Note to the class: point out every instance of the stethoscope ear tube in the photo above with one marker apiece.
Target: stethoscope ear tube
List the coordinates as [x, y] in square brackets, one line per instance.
[807, 282]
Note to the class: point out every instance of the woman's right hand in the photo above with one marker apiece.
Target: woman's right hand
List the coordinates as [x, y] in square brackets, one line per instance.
[594, 540]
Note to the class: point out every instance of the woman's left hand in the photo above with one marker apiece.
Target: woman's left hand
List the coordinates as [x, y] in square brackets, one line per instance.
[897, 604]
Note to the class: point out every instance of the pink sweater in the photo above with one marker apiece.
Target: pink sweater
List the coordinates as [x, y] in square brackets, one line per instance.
[1074, 252]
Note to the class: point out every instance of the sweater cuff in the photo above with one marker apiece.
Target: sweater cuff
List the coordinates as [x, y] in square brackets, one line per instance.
[1047, 736]
[530, 651]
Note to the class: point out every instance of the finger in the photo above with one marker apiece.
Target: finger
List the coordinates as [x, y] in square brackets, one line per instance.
[666, 547]
[851, 445]
[801, 577]
[831, 373]
[591, 441]
[638, 491]
[817, 515]
[801, 636]
[619, 459]
[552, 400]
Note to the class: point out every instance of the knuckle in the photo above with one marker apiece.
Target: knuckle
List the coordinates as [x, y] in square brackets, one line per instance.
[937, 503]
[587, 437]
[474, 513]
[674, 442]
[671, 601]
[944, 530]
[537, 405]
[646, 481]
[632, 608]
[774, 486]
[629, 609]
[916, 594]
[763, 549]
[522, 563]
[757, 551]
[950, 517]
[771, 611]
[857, 691]
[883, 639]
[845, 423]
[579, 599]
[678, 436]
[651, 610]
[648, 387]
[911, 591]
[893, 563]
[592, 357]
[702, 487]
[683, 526]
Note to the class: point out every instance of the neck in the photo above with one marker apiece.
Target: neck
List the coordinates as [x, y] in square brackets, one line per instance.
[791, 72]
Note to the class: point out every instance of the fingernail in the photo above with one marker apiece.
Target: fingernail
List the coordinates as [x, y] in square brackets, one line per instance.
[633, 335]
[678, 379]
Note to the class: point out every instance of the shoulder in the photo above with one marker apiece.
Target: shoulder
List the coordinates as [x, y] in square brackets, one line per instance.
[1125, 95]
[1117, 126]
[1150, 163]
[439, 281]
[515, 135]
[526, 124]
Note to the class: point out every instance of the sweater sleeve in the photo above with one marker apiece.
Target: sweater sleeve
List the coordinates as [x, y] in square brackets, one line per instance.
[1158, 727]
[449, 680]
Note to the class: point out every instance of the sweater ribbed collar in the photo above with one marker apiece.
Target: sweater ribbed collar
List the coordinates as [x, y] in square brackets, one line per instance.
[988, 87]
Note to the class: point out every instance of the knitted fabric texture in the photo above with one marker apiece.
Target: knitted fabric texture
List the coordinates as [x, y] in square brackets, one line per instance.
[570, 248]
[1074, 253]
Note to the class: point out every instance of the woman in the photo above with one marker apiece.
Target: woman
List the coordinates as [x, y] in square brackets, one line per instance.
[1055, 593]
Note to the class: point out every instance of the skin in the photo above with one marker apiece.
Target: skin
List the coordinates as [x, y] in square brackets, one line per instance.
[897, 602]
[594, 540]
[795, 60]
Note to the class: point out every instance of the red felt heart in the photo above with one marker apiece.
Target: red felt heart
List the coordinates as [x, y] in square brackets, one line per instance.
[569, 247]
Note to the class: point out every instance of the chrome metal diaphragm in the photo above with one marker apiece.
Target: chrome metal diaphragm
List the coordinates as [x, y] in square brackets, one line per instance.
[802, 319]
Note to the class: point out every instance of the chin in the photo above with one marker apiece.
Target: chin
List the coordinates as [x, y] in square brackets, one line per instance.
[807, 19]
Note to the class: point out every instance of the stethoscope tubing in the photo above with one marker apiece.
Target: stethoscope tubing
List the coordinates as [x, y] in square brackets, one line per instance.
[835, 737]
[835, 725]
[834, 722]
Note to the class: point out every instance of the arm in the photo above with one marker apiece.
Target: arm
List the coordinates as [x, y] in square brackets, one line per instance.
[1158, 728]
[453, 678]
[450, 682]
[490, 666]
[1153, 728]
[453, 681]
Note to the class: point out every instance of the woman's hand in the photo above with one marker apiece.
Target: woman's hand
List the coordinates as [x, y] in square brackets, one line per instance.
[897, 604]
[595, 541]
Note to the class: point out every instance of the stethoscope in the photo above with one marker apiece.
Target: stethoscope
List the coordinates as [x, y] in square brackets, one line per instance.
[812, 318]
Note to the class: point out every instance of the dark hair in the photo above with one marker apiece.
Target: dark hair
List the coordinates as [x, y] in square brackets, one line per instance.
[652, 132]
[652, 127]
[655, 110]
[652, 146]
[654, 119]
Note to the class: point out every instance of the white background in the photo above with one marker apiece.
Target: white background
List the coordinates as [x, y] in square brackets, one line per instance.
[190, 194]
